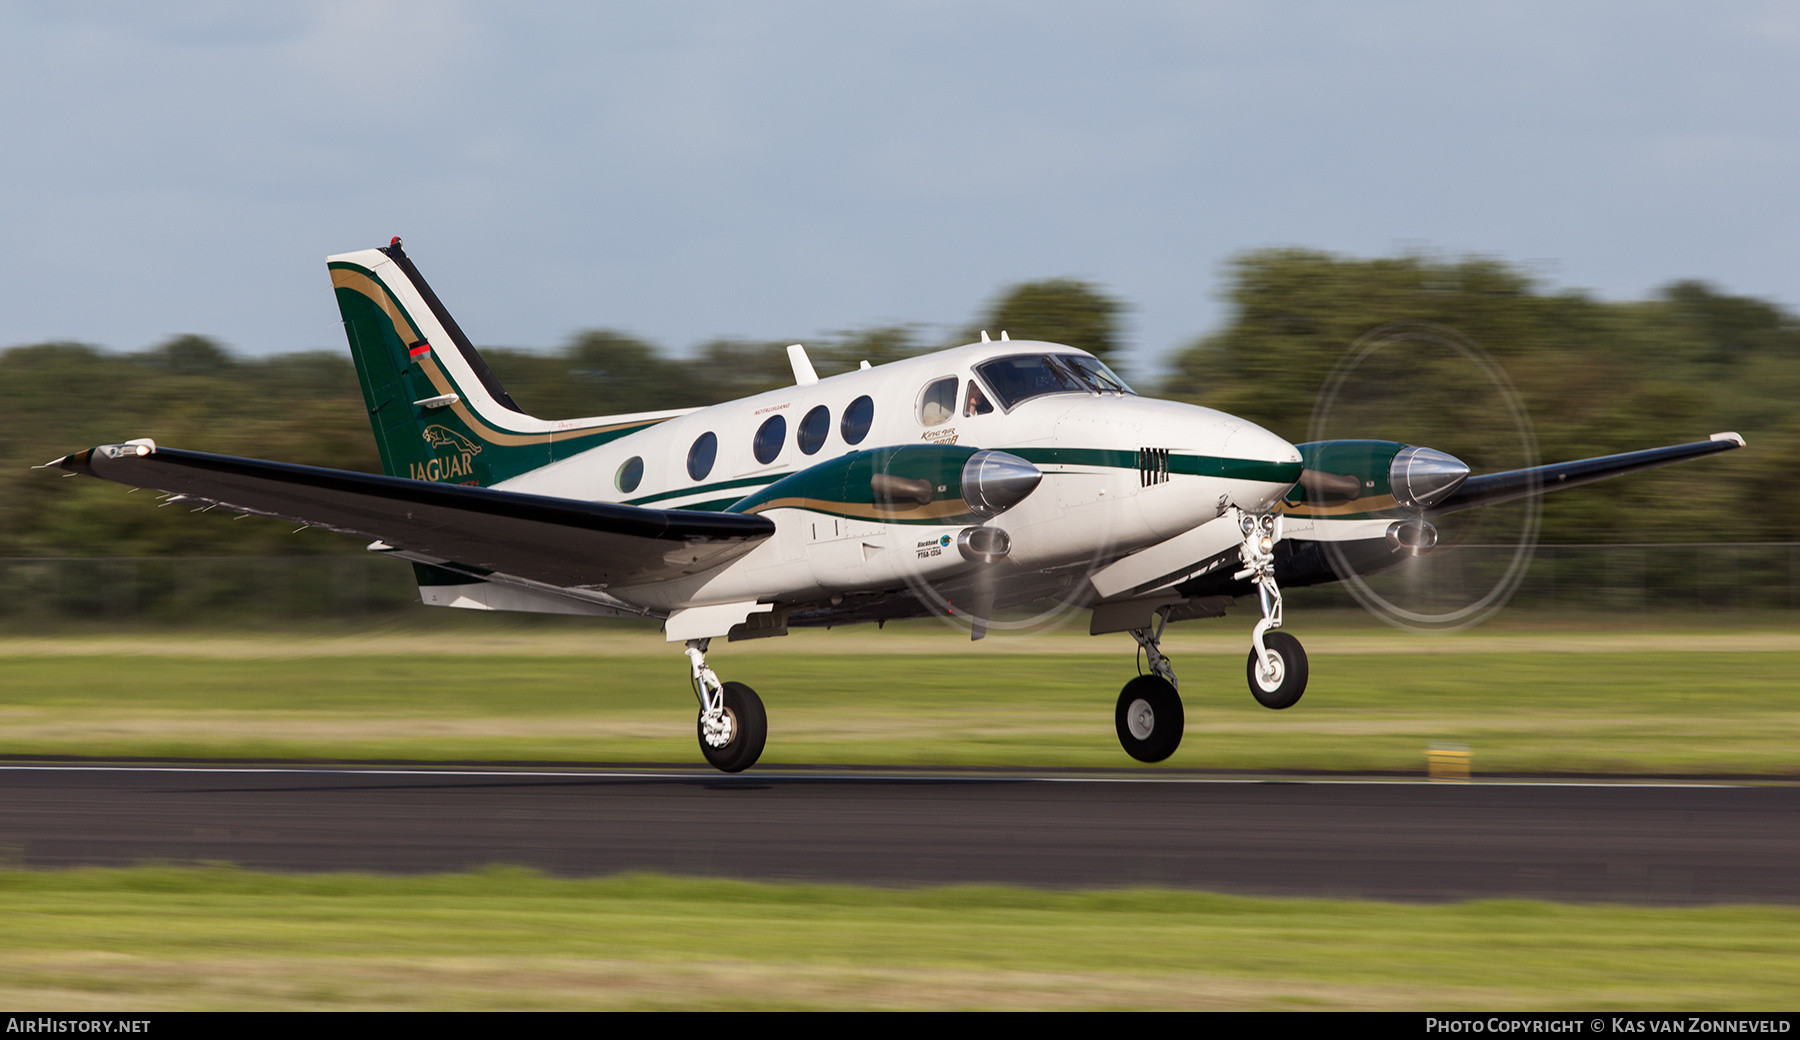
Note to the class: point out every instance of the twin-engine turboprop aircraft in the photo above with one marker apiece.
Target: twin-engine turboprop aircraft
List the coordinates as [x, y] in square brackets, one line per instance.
[965, 482]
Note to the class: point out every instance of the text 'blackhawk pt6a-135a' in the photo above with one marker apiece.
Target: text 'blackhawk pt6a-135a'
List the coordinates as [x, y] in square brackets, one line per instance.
[966, 482]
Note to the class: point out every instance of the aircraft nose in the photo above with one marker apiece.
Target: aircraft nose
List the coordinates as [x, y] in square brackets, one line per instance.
[1258, 444]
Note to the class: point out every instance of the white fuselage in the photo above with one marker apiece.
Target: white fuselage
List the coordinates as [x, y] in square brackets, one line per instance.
[1094, 505]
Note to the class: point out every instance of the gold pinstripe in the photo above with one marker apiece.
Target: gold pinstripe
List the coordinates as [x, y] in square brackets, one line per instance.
[1372, 504]
[378, 294]
[936, 511]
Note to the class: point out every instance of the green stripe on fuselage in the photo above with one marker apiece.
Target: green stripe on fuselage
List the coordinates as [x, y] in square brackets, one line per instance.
[1189, 465]
[1105, 458]
[701, 489]
[831, 489]
[717, 505]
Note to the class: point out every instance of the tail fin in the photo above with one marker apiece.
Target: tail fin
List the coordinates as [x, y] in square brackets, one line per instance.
[438, 411]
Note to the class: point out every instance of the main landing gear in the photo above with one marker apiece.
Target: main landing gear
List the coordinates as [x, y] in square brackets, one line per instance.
[1149, 717]
[732, 725]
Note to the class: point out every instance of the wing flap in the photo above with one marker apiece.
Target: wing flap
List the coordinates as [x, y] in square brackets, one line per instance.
[558, 541]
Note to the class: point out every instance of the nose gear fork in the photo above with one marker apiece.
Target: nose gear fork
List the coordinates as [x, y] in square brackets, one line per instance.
[1261, 533]
[715, 722]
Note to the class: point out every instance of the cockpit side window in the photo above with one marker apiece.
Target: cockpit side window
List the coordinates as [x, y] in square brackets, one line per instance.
[937, 402]
[976, 403]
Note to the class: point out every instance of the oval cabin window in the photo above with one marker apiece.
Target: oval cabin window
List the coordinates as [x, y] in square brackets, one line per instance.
[702, 454]
[631, 474]
[857, 420]
[768, 439]
[813, 428]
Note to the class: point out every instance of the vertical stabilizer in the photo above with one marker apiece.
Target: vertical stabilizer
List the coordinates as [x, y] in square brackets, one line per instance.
[438, 412]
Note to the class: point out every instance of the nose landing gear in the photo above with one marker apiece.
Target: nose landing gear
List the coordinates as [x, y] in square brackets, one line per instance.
[1282, 678]
[1276, 669]
[733, 726]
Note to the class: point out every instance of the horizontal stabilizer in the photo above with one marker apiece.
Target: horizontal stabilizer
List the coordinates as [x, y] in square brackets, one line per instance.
[1494, 488]
[557, 541]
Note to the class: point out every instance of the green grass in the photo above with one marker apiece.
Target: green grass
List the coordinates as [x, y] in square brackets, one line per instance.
[1676, 711]
[164, 938]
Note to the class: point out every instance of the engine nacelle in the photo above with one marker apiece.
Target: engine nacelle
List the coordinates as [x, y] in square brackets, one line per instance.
[914, 483]
[1345, 479]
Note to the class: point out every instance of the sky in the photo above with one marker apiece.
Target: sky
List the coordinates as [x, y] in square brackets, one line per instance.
[689, 170]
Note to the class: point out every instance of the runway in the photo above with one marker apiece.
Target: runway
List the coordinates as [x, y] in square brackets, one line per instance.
[1641, 843]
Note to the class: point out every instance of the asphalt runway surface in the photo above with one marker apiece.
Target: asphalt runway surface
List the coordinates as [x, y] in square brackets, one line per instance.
[1642, 843]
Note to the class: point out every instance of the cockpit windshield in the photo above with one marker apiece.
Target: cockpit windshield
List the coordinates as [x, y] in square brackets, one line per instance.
[1103, 379]
[1024, 376]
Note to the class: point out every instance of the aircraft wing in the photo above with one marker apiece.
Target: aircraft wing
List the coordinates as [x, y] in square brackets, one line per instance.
[558, 541]
[1493, 488]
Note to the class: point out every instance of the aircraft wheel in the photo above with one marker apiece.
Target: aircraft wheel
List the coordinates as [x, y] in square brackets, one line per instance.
[749, 729]
[1287, 660]
[1149, 718]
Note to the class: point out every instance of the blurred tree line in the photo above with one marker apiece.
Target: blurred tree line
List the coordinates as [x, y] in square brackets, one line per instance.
[1597, 377]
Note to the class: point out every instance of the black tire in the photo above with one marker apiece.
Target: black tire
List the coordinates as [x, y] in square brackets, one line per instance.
[1292, 659]
[749, 729]
[1149, 718]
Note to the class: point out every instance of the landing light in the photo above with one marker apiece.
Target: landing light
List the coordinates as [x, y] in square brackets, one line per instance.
[140, 447]
[983, 544]
[1412, 537]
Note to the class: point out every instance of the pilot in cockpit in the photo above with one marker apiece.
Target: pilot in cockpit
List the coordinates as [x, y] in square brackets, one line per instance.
[977, 403]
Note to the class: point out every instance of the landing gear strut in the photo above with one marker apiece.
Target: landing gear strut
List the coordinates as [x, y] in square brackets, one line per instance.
[732, 725]
[1149, 716]
[1276, 669]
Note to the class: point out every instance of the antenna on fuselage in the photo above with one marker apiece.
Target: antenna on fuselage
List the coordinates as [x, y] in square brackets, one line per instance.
[984, 337]
[803, 370]
[1004, 338]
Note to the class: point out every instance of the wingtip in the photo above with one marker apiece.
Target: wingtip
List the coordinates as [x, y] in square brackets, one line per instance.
[75, 462]
[82, 461]
[1729, 435]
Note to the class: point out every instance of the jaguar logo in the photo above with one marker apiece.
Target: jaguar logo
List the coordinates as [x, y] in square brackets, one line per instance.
[440, 437]
[458, 463]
